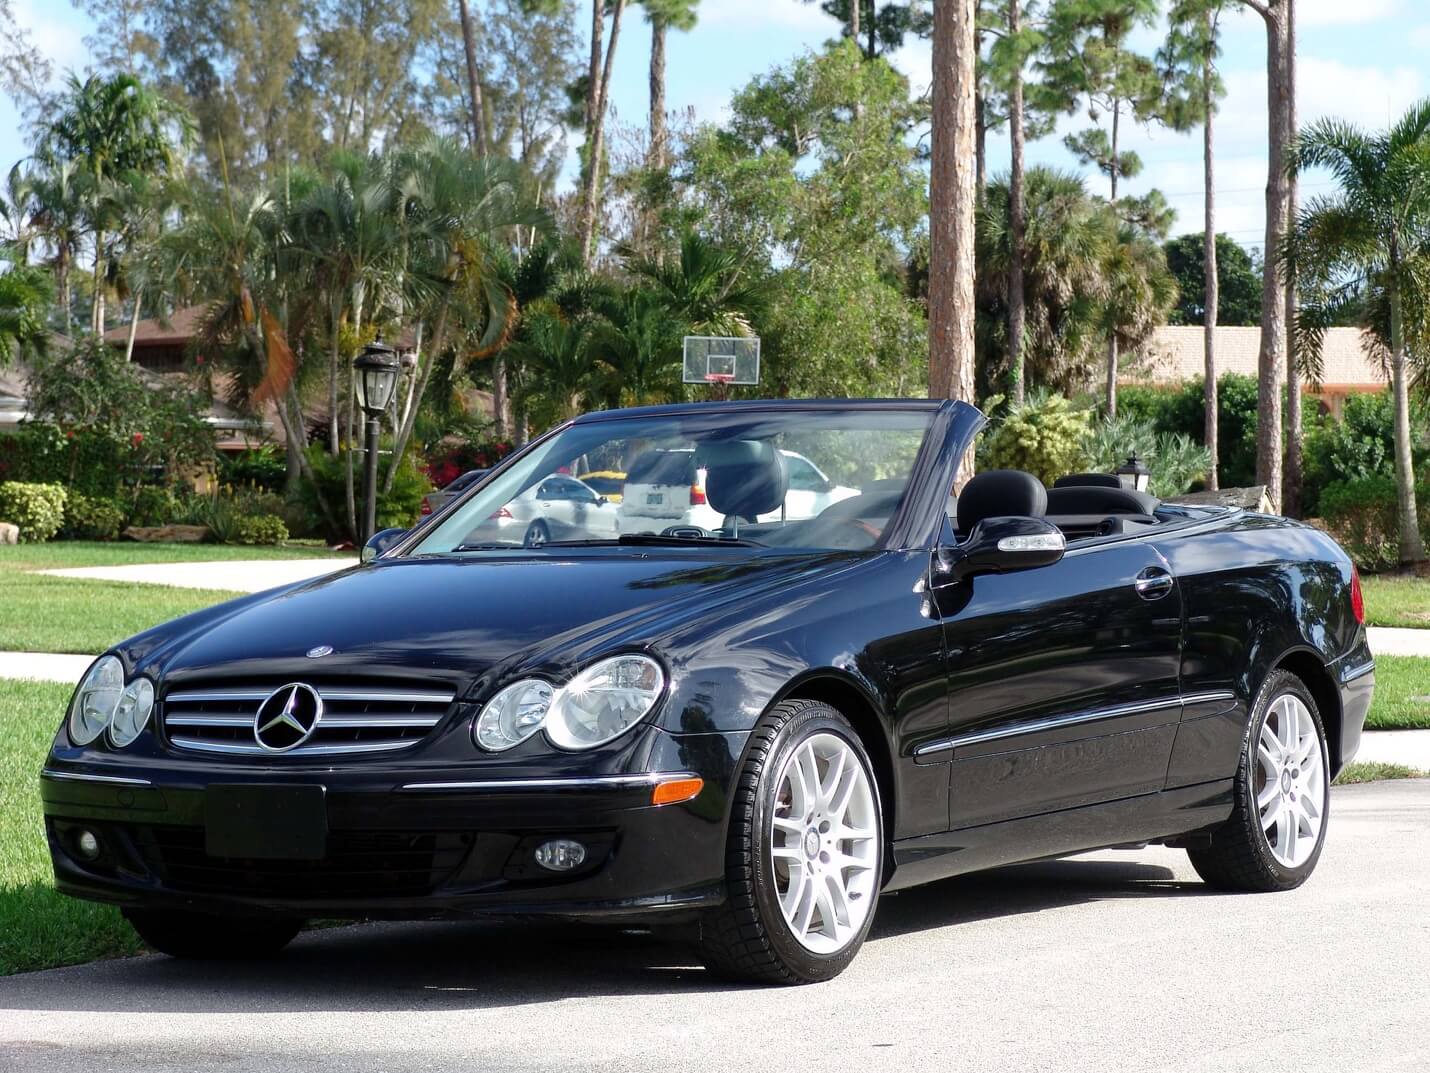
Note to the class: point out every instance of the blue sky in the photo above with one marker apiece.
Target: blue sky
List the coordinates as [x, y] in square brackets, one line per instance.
[1359, 59]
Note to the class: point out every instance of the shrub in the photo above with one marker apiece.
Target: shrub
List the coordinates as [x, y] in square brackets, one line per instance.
[1174, 460]
[38, 509]
[91, 518]
[1362, 514]
[1183, 411]
[260, 529]
[1043, 436]
[1360, 444]
[153, 505]
[397, 508]
[446, 466]
[263, 467]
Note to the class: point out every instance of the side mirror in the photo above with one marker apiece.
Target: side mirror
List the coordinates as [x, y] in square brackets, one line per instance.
[1002, 546]
[380, 541]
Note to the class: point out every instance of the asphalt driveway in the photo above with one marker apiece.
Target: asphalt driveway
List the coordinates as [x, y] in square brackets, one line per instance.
[1109, 962]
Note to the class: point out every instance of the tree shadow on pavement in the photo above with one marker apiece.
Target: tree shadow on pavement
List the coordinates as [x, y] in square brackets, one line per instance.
[470, 965]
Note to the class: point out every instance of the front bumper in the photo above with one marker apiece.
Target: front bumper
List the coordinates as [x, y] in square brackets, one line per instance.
[401, 844]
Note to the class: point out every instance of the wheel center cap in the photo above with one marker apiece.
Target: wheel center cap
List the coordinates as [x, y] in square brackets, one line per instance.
[811, 843]
[1286, 781]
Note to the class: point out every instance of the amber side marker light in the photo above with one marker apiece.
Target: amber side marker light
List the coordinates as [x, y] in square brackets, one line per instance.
[675, 791]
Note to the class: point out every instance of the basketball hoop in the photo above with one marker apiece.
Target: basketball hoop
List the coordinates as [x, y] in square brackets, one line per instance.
[719, 362]
[719, 378]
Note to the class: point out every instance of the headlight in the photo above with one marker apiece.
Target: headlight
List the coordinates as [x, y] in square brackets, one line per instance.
[132, 712]
[604, 701]
[513, 715]
[95, 700]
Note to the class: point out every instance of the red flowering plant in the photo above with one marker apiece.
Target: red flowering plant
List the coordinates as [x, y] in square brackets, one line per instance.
[447, 465]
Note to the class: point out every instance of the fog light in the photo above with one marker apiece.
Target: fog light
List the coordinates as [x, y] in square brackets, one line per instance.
[87, 845]
[560, 855]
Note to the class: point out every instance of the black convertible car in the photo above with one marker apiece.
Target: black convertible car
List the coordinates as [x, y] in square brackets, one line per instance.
[748, 731]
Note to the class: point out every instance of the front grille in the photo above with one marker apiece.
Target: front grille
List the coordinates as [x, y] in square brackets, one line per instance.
[358, 864]
[355, 719]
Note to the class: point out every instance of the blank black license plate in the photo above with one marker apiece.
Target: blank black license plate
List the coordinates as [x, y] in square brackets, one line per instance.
[266, 822]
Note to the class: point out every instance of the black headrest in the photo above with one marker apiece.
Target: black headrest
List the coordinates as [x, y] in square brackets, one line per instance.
[1083, 480]
[999, 493]
[744, 478]
[1090, 499]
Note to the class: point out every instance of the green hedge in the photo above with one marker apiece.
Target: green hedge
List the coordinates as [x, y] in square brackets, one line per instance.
[38, 509]
[1363, 514]
[92, 518]
[260, 529]
[1183, 410]
[397, 509]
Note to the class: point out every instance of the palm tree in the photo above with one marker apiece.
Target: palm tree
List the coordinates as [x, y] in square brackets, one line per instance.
[560, 374]
[24, 296]
[706, 287]
[56, 199]
[109, 127]
[663, 15]
[463, 212]
[639, 343]
[1368, 246]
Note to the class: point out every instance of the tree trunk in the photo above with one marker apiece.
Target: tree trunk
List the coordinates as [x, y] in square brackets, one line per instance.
[952, 201]
[1412, 548]
[133, 325]
[657, 93]
[1272, 362]
[334, 357]
[66, 298]
[980, 146]
[1291, 482]
[474, 82]
[854, 6]
[499, 396]
[1017, 224]
[590, 204]
[593, 73]
[871, 30]
[1112, 354]
[96, 309]
[1213, 291]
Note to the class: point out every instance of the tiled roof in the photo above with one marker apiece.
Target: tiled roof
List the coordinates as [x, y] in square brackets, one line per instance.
[1177, 354]
[181, 326]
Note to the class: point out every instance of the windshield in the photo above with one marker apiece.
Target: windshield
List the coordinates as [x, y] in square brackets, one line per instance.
[809, 479]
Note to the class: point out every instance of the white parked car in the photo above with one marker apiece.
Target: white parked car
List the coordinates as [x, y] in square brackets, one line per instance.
[559, 508]
[666, 487]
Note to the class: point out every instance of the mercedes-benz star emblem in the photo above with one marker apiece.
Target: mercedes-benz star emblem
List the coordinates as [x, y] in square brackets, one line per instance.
[288, 717]
[320, 651]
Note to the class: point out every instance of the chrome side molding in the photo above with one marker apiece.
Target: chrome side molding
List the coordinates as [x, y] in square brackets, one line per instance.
[80, 776]
[1054, 722]
[592, 782]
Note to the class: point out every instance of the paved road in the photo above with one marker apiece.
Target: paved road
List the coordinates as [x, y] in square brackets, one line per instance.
[1106, 963]
[248, 575]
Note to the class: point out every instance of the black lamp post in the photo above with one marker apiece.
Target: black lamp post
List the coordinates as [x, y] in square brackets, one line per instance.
[377, 368]
[1133, 474]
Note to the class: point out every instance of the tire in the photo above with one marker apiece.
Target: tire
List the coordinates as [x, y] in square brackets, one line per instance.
[211, 938]
[537, 534]
[1250, 852]
[776, 857]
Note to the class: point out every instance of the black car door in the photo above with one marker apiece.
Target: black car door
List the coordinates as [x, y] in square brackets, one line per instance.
[1063, 680]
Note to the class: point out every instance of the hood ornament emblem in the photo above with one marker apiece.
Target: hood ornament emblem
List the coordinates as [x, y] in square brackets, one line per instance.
[320, 651]
[288, 717]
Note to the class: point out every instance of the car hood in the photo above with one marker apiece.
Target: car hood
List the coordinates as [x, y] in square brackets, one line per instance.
[454, 619]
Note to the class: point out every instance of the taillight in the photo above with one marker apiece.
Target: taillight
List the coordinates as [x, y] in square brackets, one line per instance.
[697, 496]
[502, 512]
[1357, 597]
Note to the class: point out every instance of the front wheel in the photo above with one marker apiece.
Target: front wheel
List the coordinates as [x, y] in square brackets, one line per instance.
[538, 534]
[211, 938]
[804, 859]
[1274, 837]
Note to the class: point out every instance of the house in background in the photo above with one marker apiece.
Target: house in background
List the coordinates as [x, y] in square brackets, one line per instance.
[1177, 355]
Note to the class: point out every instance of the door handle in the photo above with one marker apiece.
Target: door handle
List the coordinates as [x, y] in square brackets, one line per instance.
[1154, 583]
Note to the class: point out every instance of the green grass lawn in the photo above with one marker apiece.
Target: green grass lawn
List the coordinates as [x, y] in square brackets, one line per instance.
[1391, 600]
[39, 928]
[1402, 694]
[1375, 771]
[39, 613]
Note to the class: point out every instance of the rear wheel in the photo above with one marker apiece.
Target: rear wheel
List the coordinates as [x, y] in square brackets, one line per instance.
[805, 854]
[196, 935]
[537, 534]
[1274, 837]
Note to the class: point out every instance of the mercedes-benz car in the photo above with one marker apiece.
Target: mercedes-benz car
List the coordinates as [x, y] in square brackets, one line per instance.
[745, 732]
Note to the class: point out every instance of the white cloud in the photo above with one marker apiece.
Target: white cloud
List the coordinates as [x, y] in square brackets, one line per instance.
[1311, 13]
[759, 15]
[915, 61]
[58, 34]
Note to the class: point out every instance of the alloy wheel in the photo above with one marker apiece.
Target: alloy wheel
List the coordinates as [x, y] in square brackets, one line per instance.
[1290, 781]
[824, 843]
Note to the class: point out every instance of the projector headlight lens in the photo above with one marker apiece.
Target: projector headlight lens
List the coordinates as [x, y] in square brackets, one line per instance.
[95, 700]
[513, 715]
[604, 701]
[131, 715]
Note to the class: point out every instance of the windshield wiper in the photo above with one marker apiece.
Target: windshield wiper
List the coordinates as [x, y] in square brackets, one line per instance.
[487, 547]
[662, 540]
